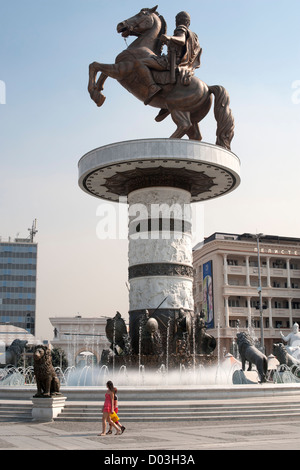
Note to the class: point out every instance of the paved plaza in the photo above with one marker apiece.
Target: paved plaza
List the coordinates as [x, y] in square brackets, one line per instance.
[275, 434]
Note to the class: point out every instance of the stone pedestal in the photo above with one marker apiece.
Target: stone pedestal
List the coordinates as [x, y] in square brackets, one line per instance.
[159, 179]
[45, 409]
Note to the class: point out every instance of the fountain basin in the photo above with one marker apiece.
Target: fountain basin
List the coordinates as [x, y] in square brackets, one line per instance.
[170, 393]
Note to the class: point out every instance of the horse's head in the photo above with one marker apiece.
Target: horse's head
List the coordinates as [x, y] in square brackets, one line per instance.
[139, 23]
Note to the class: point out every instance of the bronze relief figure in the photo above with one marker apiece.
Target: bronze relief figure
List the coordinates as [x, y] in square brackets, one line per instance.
[165, 81]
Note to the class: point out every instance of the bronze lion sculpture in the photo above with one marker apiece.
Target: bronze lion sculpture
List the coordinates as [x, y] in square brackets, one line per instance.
[286, 359]
[250, 353]
[14, 351]
[46, 379]
[283, 356]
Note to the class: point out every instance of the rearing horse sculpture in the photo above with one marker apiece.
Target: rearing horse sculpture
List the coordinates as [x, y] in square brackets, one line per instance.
[187, 104]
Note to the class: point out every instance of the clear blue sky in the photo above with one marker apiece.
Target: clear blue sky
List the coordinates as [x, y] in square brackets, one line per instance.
[49, 122]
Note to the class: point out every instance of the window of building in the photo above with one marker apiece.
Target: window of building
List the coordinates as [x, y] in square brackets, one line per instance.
[232, 262]
[279, 263]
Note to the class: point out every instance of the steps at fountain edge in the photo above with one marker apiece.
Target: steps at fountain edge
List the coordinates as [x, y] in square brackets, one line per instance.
[147, 411]
[180, 411]
[15, 411]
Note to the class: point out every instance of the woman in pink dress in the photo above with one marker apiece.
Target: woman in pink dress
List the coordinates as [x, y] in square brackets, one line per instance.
[108, 408]
[120, 426]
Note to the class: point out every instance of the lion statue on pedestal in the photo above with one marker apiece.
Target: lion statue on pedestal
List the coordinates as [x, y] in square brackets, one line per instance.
[46, 379]
[250, 353]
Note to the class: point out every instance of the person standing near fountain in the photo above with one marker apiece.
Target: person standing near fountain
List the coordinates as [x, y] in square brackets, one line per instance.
[108, 408]
[116, 408]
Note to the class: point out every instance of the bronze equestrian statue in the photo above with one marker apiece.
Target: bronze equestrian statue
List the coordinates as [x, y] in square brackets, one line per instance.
[167, 81]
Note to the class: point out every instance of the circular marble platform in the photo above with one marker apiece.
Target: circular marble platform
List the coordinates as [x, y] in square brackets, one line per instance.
[205, 170]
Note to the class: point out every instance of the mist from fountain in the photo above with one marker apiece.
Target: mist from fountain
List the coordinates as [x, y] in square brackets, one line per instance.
[93, 375]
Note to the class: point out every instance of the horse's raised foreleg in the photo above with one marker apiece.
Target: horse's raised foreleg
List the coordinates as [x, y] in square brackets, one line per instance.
[117, 71]
[95, 90]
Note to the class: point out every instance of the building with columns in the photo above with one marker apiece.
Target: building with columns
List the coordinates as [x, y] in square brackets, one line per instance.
[227, 281]
[82, 339]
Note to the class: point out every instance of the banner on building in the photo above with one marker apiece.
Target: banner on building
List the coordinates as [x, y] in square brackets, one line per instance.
[208, 304]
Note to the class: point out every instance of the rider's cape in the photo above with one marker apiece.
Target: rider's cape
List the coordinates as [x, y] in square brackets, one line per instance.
[190, 59]
[188, 62]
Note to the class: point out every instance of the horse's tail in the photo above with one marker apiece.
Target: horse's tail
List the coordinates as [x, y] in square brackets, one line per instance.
[223, 115]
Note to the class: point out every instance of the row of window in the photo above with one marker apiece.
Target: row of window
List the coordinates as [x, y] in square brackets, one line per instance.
[17, 277]
[256, 323]
[17, 248]
[17, 290]
[254, 303]
[9, 318]
[12, 254]
[279, 264]
[29, 266]
[5, 298]
[16, 318]
[254, 283]
[18, 272]
[20, 309]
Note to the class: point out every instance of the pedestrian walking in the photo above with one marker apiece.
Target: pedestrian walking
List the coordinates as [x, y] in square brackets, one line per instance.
[116, 408]
[107, 409]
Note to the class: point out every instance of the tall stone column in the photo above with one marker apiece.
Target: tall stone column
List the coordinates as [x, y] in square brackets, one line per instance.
[247, 271]
[249, 311]
[268, 272]
[290, 312]
[225, 269]
[226, 312]
[270, 312]
[160, 256]
[288, 274]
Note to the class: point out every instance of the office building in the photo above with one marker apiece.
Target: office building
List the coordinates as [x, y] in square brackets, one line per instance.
[227, 285]
[18, 265]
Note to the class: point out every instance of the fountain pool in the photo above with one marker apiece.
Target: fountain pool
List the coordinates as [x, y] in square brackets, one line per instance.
[92, 375]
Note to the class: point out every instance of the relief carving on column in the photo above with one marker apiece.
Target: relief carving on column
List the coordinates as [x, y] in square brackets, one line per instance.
[160, 250]
[147, 293]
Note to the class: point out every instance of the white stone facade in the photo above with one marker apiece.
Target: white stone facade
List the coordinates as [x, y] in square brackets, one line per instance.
[76, 335]
[236, 282]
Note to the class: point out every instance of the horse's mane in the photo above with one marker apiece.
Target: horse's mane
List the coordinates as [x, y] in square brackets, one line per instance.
[163, 30]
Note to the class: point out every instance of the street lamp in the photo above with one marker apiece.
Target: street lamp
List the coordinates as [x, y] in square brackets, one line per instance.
[262, 345]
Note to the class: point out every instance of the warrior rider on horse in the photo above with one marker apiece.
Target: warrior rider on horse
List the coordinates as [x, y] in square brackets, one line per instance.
[183, 57]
